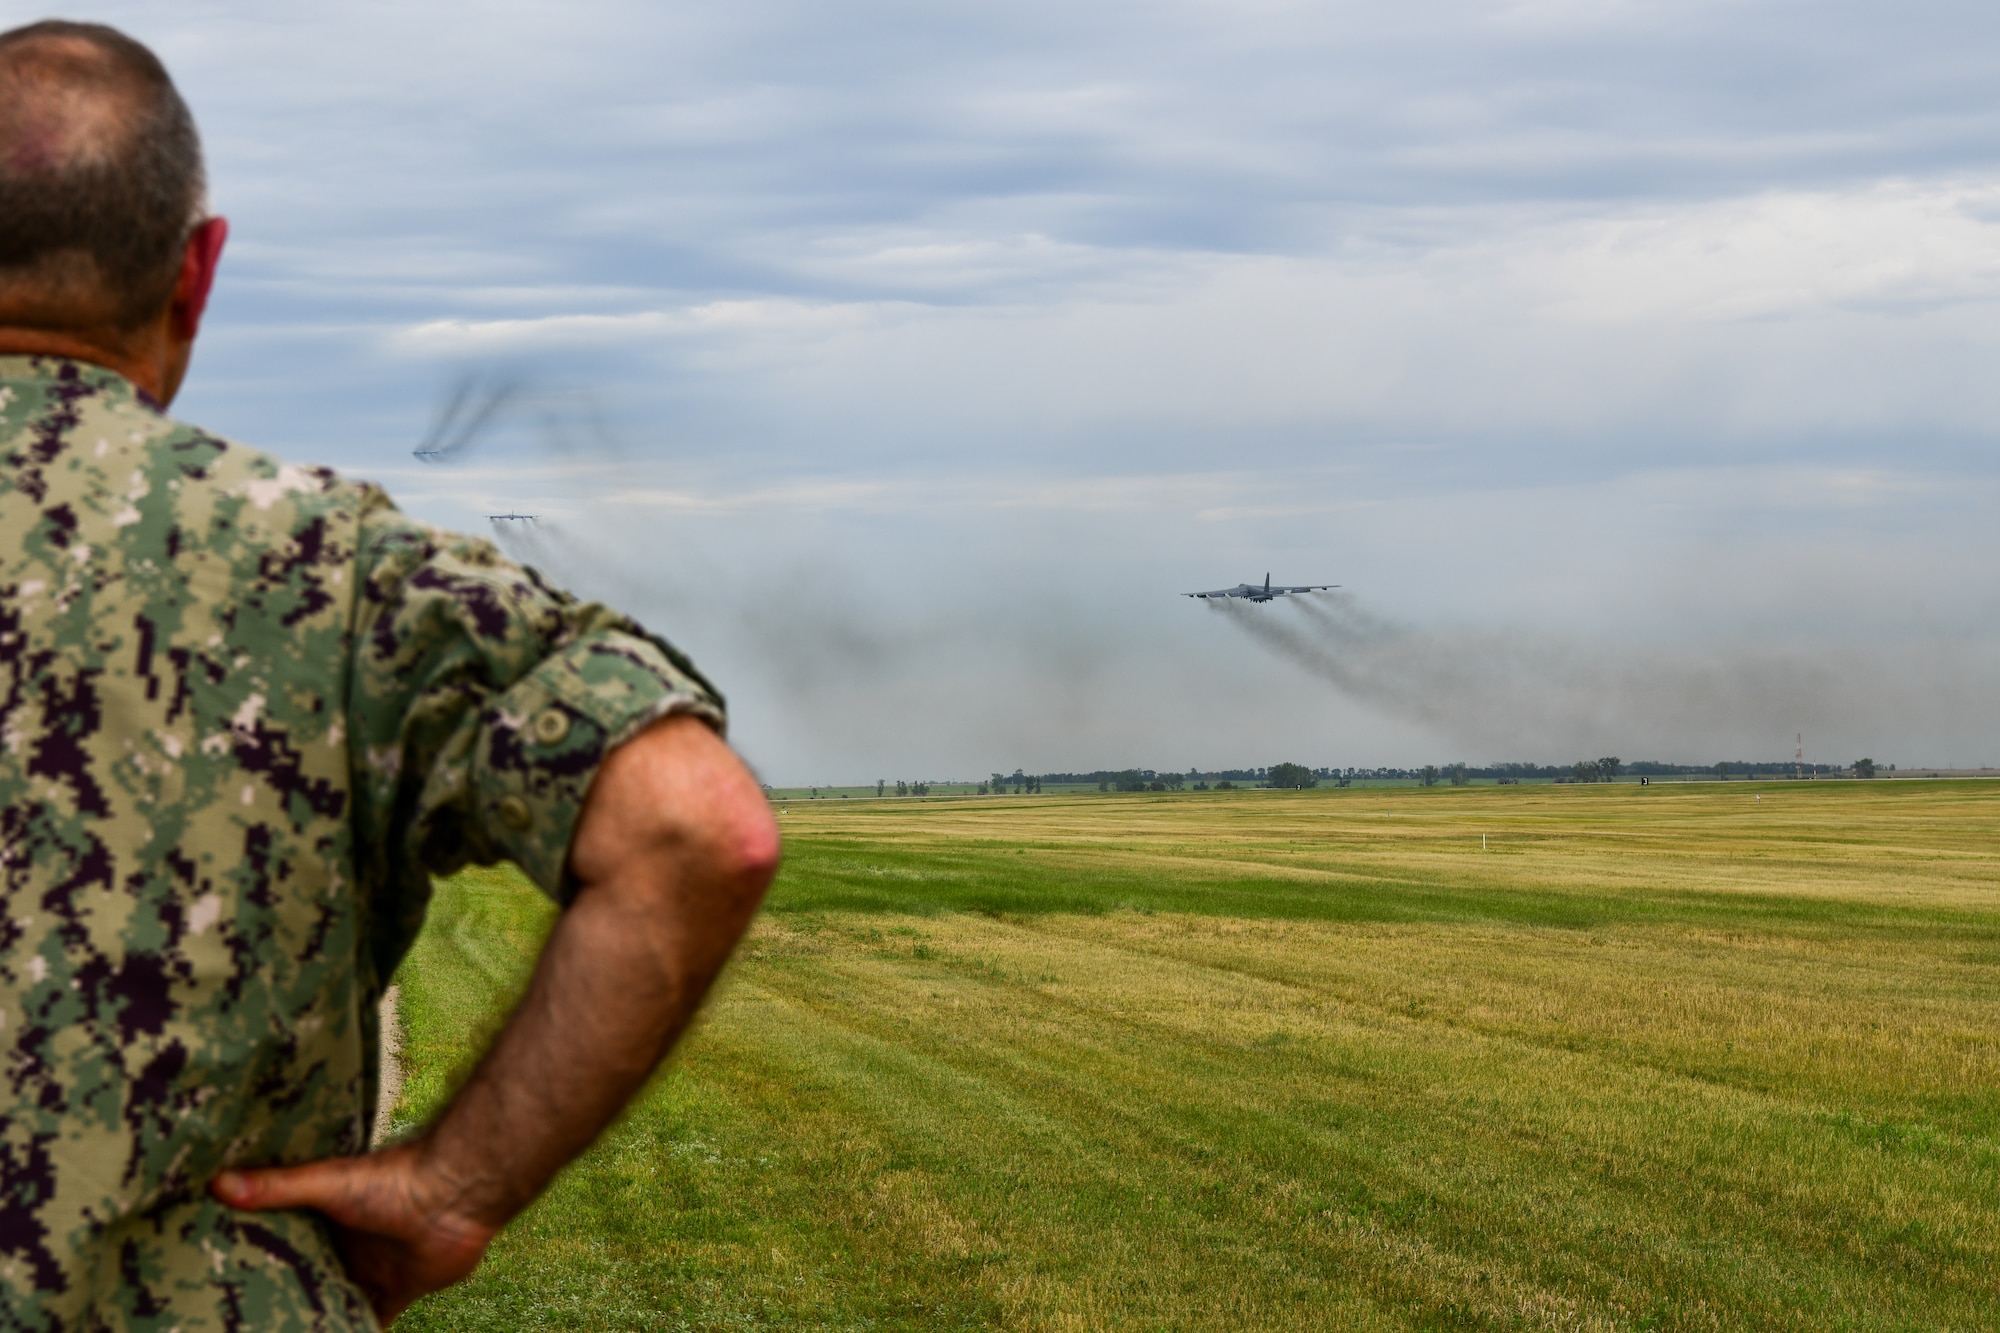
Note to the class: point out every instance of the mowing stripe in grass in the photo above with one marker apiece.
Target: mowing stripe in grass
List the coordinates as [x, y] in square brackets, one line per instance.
[1655, 1064]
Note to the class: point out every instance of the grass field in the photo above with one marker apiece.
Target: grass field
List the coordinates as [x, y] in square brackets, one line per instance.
[1655, 1058]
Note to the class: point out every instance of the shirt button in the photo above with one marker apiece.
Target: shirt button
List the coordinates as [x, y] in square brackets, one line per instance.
[514, 813]
[551, 726]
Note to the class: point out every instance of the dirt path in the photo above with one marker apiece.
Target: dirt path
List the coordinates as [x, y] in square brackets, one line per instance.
[392, 1068]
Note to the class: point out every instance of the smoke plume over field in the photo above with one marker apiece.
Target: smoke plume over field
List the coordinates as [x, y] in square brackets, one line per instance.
[934, 627]
[1548, 695]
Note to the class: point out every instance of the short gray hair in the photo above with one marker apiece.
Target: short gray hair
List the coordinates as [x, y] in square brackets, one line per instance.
[101, 175]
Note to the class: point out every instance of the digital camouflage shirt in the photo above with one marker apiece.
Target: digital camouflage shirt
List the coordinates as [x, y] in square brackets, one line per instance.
[246, 710]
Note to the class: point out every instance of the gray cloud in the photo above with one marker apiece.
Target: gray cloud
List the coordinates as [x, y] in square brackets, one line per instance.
[907, 361]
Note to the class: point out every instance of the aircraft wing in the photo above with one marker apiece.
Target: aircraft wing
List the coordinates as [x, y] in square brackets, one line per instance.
[1257, 593]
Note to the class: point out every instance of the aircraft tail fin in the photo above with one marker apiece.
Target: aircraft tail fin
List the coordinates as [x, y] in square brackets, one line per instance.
[1267, 580]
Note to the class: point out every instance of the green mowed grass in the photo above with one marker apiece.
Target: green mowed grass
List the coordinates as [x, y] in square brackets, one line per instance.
[1655, 1058]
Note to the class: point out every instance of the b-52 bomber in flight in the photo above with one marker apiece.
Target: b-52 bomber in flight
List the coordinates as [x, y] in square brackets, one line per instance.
[1251, 592]
[520, 518]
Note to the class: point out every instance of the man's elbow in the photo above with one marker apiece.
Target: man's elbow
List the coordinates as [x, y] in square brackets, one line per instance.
[739, 837]
[747, 846]
[674, 801]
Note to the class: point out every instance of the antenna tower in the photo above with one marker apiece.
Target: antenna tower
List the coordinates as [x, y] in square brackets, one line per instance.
[1799, 755]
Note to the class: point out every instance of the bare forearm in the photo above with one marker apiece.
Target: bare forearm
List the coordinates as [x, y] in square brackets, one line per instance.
[616, 986]
[674, 850]
[660, 906]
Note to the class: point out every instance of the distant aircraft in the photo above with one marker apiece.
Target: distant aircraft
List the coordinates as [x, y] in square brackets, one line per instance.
[525, 518]
[1263, 594]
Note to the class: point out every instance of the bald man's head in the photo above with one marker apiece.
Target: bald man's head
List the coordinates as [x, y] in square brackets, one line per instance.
[100, 179]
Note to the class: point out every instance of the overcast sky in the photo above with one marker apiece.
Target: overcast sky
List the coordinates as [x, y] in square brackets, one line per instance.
[1631, 364]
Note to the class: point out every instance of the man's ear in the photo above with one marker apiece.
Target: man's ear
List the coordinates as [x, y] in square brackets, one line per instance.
[198, 264]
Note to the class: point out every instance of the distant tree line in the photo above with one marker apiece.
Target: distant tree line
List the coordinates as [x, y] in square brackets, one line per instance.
[1022, 784]
[1606, 768]
[1594, 770]
[1139, 779]
[1147, 776]
[1289, 775]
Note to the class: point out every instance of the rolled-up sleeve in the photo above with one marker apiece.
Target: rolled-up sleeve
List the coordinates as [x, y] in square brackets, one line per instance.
[540, 742]
[482, 703]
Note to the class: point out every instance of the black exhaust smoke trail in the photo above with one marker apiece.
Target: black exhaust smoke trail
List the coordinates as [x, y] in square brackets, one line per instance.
[1321, 658]
[1544, 692]
[475, 404]
[1427, 677]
